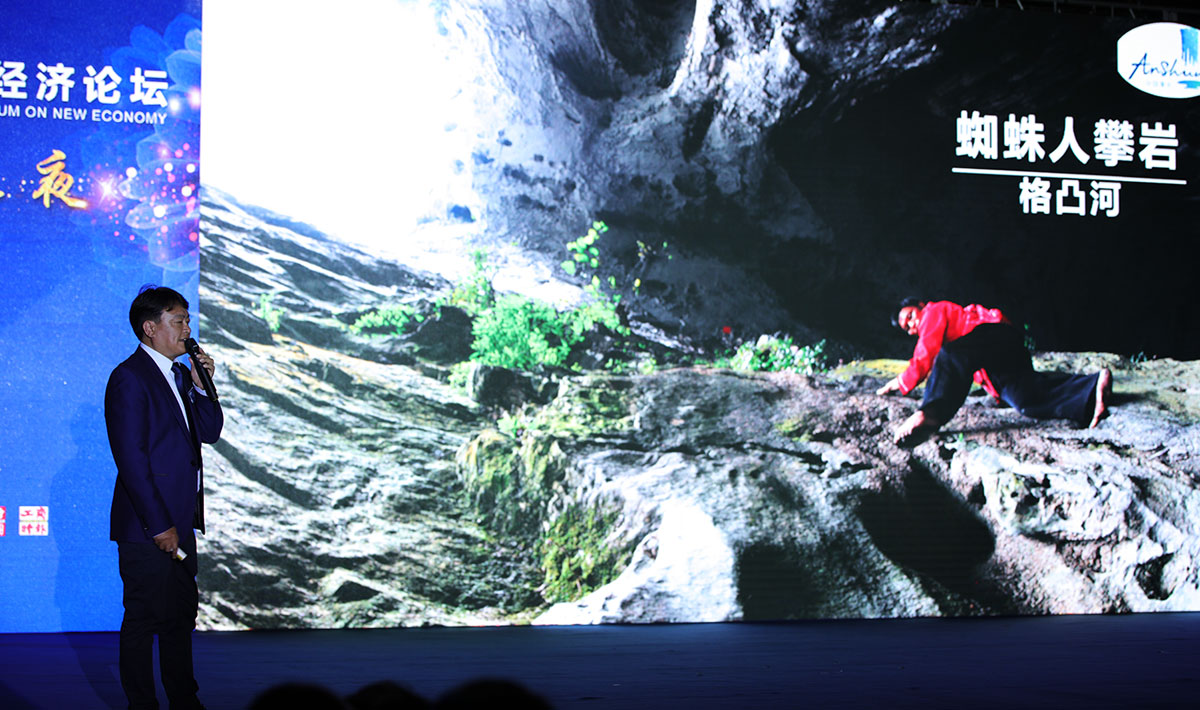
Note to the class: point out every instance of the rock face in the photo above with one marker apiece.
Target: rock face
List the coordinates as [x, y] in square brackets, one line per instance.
[354, 486]
[330, 482]
[769, 165]
[819, 515]
[656, 117]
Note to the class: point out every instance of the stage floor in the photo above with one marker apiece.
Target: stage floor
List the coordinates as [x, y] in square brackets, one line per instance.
[1132, 661]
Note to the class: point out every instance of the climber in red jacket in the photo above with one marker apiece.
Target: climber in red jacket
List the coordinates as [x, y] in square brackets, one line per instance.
[957, 345]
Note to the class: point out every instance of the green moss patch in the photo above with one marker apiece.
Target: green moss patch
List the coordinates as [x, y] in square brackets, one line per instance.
[577, 556]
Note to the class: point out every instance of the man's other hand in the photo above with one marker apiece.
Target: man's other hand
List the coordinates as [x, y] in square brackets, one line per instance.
[168, 540]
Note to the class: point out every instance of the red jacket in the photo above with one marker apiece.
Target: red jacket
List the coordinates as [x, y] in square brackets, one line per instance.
[941, 322]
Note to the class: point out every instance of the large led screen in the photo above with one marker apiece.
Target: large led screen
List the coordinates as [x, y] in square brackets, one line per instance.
[563, 313]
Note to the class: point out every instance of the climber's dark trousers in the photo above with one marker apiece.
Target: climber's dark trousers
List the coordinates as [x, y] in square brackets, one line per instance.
[999, 349]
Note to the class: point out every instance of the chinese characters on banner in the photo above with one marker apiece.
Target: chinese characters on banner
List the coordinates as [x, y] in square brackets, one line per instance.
[56, 182]
[31, 520]
[101, 86]
[55, 85]
[1113, 143]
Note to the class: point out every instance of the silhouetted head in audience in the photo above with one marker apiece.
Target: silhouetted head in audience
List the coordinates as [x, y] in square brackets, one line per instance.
[385, 695]
[491, 693]
[290, 696]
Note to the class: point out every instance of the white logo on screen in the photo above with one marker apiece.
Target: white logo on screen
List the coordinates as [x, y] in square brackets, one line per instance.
[1162, 58]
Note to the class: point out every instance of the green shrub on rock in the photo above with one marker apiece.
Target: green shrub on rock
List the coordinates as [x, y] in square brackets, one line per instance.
[384, 321]
[521, 334]
[771, 353]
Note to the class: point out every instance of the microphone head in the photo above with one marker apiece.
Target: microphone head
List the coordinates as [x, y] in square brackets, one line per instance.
[191, 346]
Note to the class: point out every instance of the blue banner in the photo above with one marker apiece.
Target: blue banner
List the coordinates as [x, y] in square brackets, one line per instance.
[99, 173]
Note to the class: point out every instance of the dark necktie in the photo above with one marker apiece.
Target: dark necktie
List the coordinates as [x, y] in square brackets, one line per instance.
[185, 393]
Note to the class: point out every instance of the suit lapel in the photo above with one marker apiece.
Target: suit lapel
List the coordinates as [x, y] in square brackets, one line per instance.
[158, 386]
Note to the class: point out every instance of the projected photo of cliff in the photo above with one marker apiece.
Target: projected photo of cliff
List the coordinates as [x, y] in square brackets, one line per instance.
[578, 313]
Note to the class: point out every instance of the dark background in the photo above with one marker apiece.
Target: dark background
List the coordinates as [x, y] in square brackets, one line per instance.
[880, 175]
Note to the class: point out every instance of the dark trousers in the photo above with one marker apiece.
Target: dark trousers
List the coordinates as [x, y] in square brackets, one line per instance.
[161, 599]
[999, 349]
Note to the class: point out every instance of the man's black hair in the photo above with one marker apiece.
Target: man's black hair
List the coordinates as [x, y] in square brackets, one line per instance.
[150, 304]
[909, 302]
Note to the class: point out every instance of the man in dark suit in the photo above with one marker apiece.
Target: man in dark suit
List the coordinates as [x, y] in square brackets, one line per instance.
[157, 414]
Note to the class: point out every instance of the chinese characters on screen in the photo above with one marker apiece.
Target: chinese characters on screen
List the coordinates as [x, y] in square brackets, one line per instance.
[1114, 142]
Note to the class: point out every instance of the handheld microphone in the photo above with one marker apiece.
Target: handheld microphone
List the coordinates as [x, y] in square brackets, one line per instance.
[193, 349]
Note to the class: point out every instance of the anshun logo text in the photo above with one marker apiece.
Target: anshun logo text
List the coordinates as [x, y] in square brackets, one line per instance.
[1162, 59]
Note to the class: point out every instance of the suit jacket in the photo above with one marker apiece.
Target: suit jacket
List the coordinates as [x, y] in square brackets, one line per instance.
[157, 458]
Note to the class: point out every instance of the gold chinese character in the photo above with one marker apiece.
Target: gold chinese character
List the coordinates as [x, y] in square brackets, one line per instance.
[56, 182]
